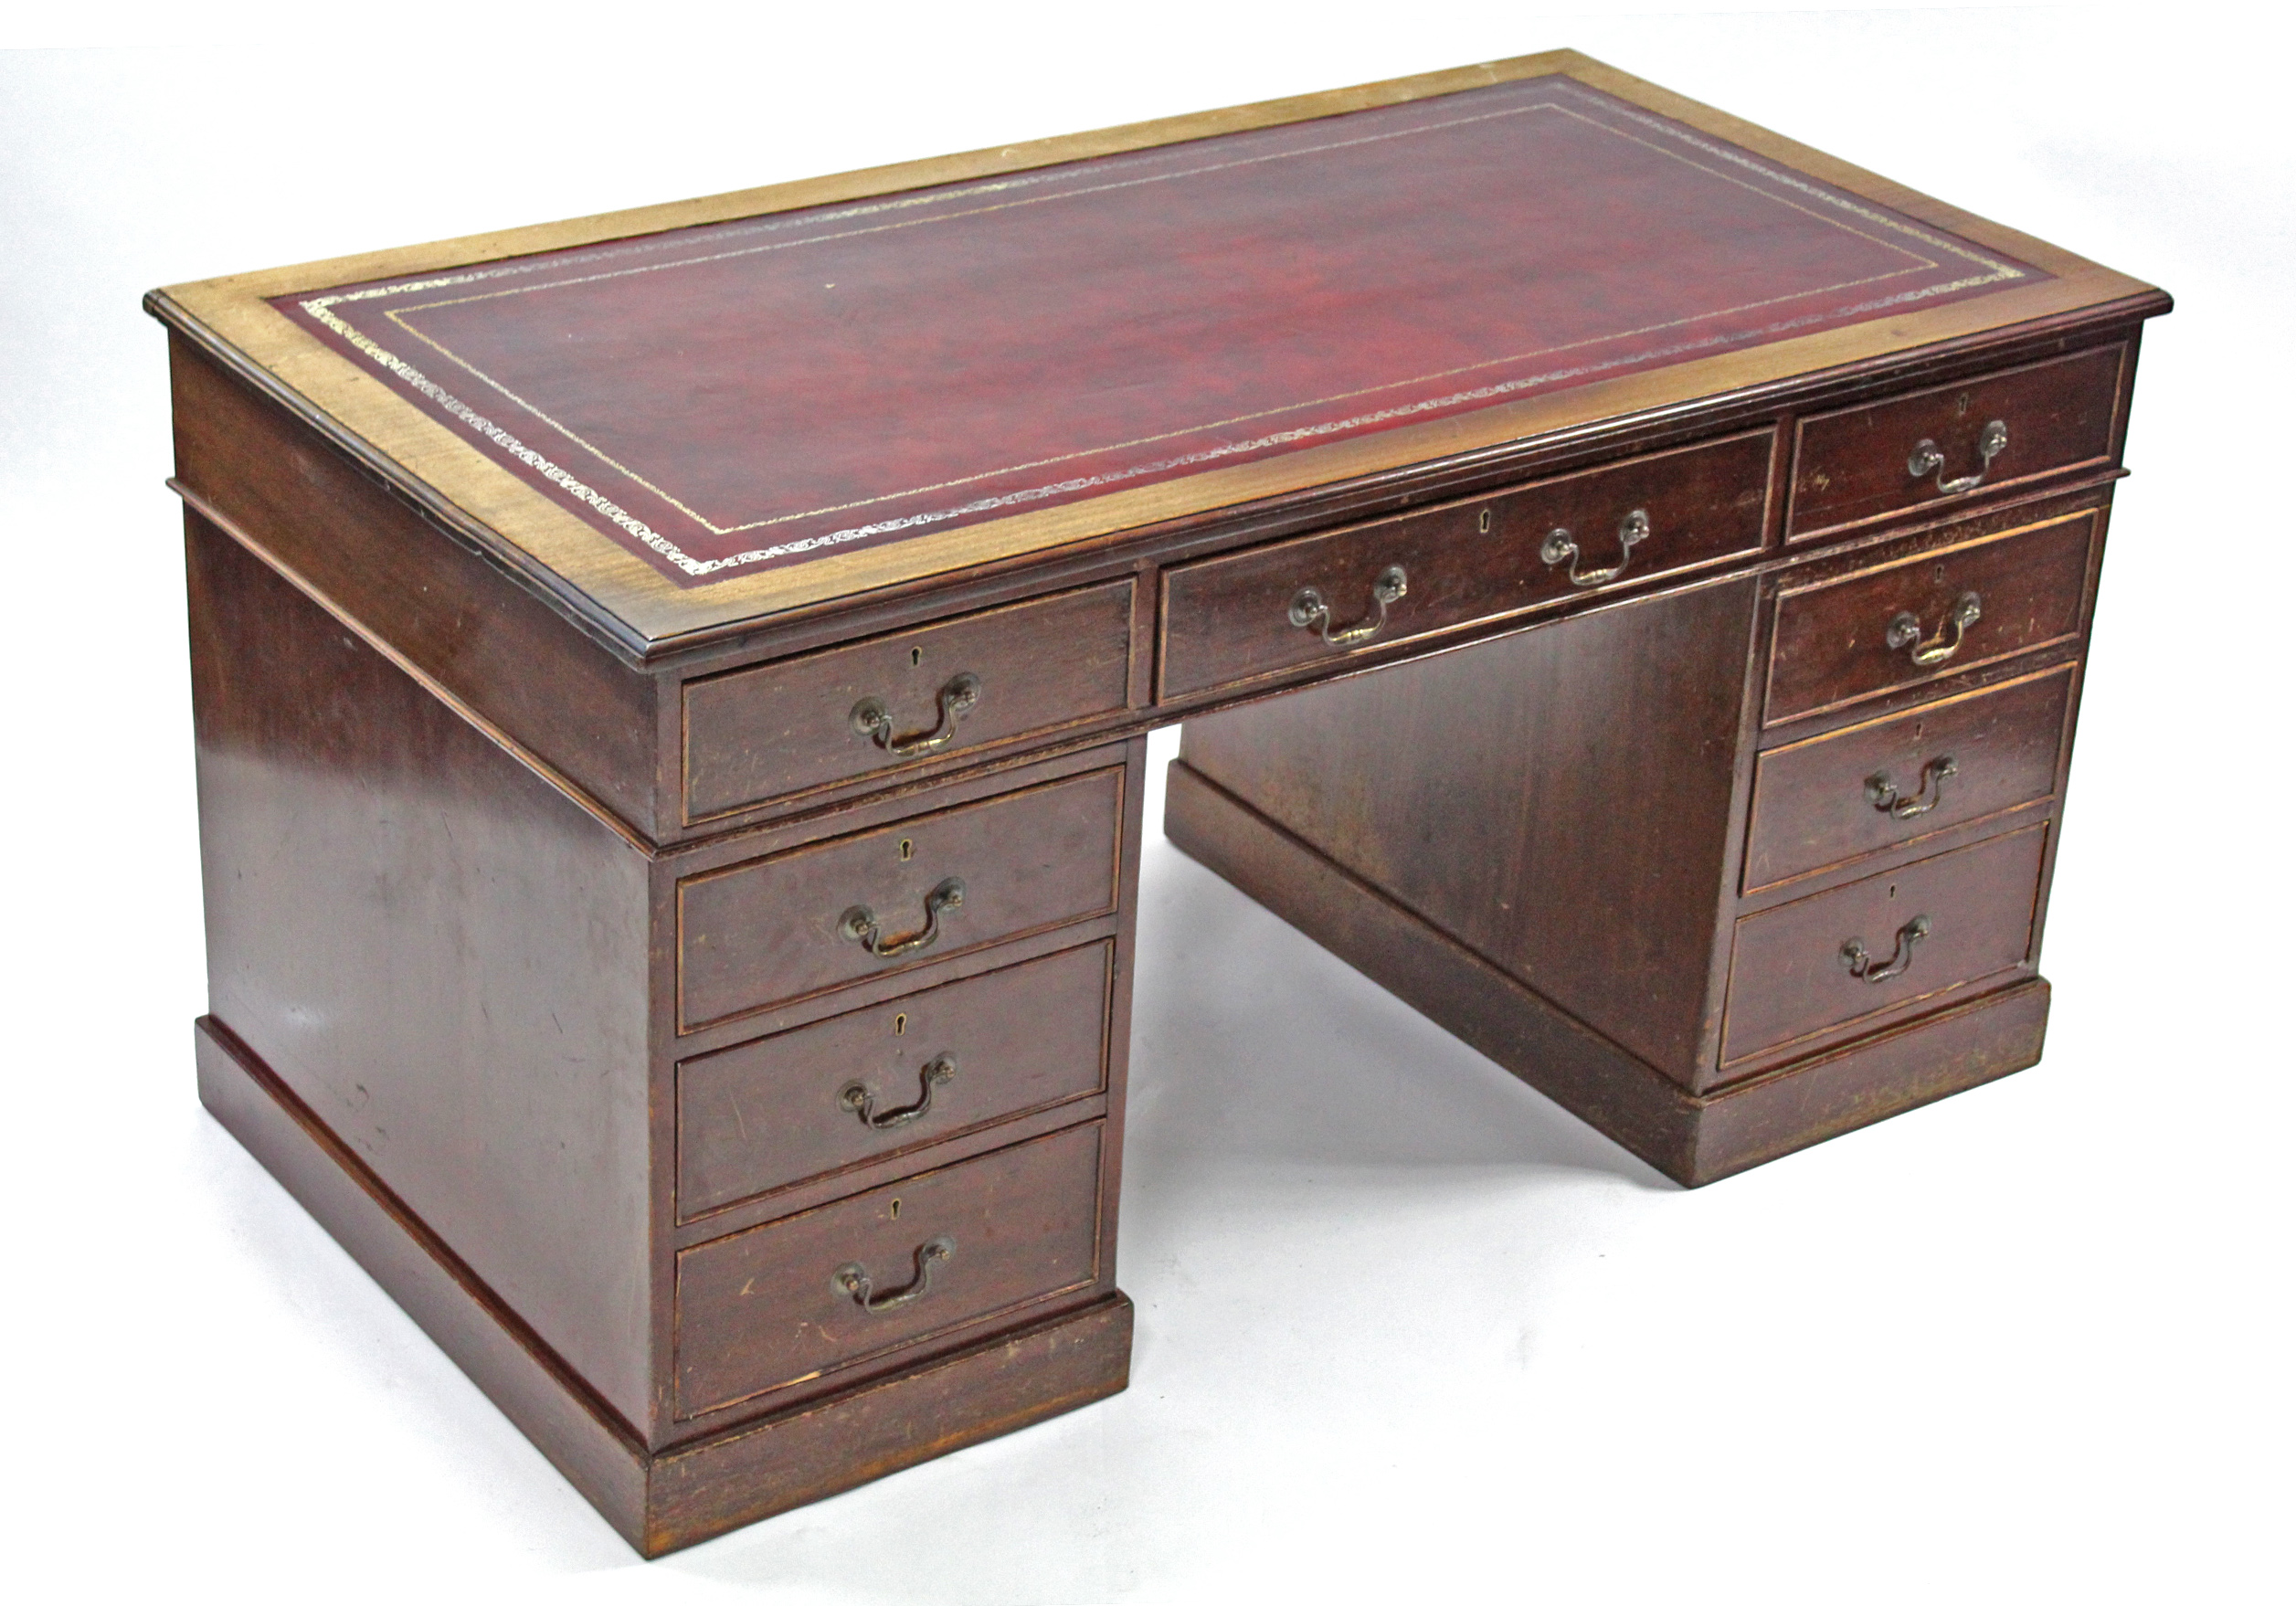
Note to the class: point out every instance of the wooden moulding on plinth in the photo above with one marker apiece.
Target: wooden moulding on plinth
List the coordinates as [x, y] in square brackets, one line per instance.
[1693, 1138]
[662, 1500]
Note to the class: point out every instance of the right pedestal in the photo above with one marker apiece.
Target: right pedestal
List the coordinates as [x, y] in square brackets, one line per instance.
[1725, 869]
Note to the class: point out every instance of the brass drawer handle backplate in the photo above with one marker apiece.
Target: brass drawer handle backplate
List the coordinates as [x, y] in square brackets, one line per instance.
[1927, 459]
[873, 720]
[934, 1073]
[859, 924]
[1882, 792]
[1561, 547]
[1905, 631]
[852, 1279]
[1309, 611]
[1860, 964]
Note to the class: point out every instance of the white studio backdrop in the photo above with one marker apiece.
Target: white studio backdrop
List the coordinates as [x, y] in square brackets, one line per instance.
[1405, 1329]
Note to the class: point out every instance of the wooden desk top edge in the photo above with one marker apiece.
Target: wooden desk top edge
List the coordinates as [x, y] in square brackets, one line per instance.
[642, 616]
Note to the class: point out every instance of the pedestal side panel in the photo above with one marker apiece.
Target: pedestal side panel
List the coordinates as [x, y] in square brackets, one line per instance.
[440, 954]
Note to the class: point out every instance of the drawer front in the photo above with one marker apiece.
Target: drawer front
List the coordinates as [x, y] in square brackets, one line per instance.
[1794, 973]
[779, 729]
[885, 1081]
[1909, 621]
[838, 912]
[785, 1302]
[1934, 445]
[1234, 617]
[1891, 781]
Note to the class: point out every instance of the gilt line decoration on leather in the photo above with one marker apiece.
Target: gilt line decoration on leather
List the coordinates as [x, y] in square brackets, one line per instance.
[761, 391]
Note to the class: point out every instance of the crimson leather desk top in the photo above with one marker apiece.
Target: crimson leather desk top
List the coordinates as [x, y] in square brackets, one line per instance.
[673, 428]
[756, 392]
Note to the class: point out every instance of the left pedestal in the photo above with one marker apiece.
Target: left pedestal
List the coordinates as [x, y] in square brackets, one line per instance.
[728, 1205]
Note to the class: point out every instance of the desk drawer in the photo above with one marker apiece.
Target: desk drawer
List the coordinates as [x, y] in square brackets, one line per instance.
[1891, 781]
[1936, 613]
[821, 917]
[1871, 461]
[930, 1065]
[753, 735]
[1244, 615]
[1926, 929]
[785, 1302]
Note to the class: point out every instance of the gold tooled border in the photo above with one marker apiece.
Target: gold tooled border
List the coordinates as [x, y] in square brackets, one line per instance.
[645, 612]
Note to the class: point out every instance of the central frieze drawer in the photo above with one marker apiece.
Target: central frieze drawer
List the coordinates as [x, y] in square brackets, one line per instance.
[1927, 928]
[880, 1082]
[785, 728]
[1315, 598]
[1935, 613]
[790, 1299]
[1890, 781]
[838, 912]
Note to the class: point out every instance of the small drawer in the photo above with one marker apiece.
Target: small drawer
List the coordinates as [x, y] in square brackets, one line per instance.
[883, 1081]
[1926, 929]
[839, 911]
[789, 1301]
[1935, 613]
[1318, 598]
[786, 728]
[1891, 781]
[1943, 445]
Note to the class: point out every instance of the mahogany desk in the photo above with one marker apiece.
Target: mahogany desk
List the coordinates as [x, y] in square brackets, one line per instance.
[670, 692]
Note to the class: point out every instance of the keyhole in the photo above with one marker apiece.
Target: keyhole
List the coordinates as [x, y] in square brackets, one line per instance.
[900, 1024]
[1893, 889]
[896, 1209]
[1484, 523]
[908, 850]
[916, 656]
[1918, 727]
[1960, 406]
[1940, 572]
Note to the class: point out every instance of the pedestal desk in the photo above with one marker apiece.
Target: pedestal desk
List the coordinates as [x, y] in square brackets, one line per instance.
[670, 692]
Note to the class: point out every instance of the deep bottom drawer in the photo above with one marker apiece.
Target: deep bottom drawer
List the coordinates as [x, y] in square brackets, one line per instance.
[789, 1301]
[1924, 930]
